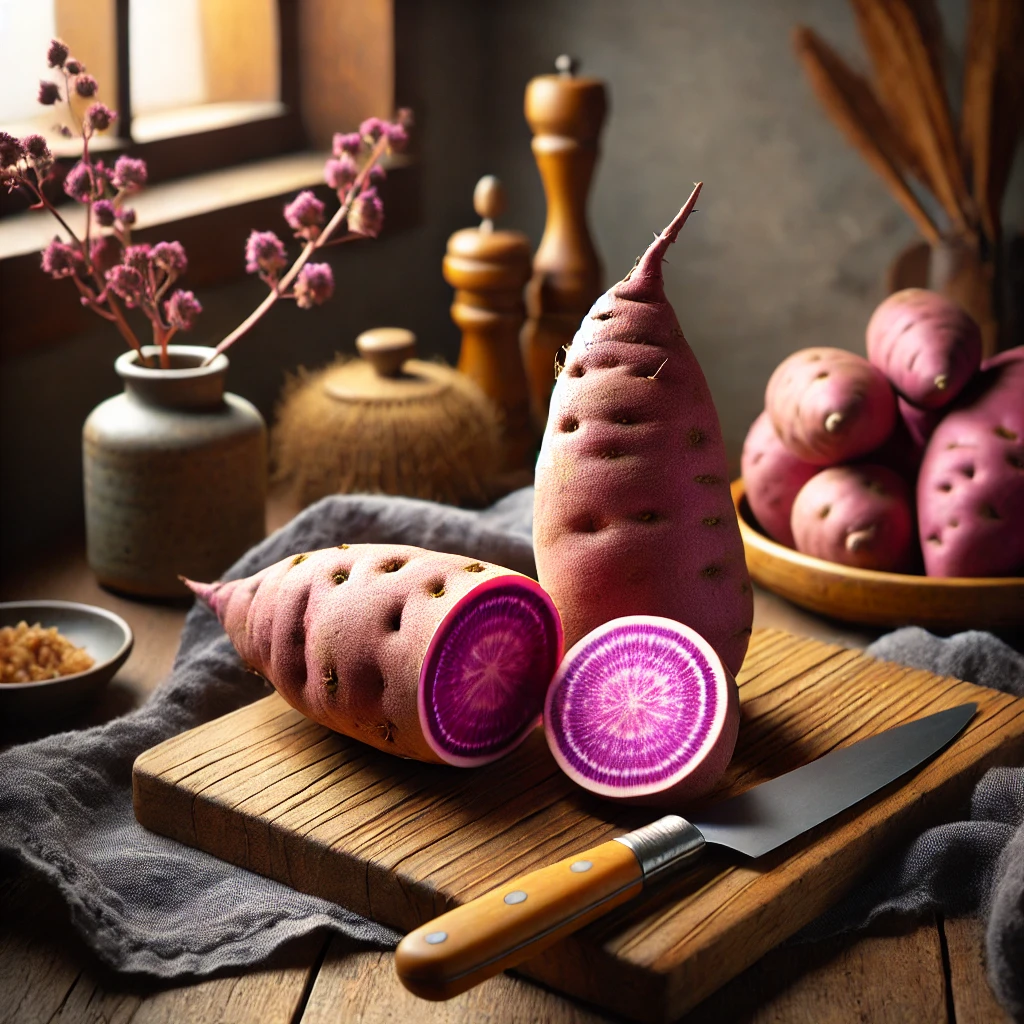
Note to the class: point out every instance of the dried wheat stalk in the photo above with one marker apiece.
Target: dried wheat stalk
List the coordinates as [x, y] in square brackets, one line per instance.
[852, 105]
[993, 102]
[903, 39]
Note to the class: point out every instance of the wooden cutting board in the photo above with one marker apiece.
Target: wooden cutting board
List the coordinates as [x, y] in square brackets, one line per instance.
[400, 841]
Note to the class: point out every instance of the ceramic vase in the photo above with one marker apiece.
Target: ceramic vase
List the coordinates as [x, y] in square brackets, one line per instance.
[175, 475]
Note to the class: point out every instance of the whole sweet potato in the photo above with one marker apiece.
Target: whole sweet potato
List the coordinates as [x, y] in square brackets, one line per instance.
[829, 405]
[632, 511]
[772, 476]
[431, 656]
[926, 345]
[970, 491]
[856, 515]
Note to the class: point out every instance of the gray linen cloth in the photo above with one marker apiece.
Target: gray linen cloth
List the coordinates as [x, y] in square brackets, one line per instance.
[150, 905]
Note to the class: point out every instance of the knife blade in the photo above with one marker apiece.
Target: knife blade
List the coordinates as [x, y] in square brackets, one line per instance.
[518, 920]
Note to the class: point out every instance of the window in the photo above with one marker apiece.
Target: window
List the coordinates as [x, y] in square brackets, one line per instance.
[220, 84]
[202, 64]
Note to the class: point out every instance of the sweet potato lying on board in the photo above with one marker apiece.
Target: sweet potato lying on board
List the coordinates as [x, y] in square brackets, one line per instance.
[432, 656]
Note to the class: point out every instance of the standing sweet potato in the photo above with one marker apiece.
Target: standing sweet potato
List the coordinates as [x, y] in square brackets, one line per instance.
[632, 513]
[926, 345]
[426, 655]
[970, 491]
[829, 405]
[772, 476]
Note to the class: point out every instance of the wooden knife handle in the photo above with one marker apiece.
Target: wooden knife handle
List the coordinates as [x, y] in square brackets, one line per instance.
[517, 921]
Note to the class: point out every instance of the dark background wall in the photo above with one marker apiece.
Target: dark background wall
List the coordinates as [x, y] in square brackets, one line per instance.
[788, 250]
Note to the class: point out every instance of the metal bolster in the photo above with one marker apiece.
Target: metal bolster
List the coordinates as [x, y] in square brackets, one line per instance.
[663, 844]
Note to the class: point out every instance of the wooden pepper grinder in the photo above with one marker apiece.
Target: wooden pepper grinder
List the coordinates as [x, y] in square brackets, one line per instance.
[488, 269]
[566, 114]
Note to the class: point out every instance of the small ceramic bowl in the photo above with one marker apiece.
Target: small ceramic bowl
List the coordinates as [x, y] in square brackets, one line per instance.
[104, 635]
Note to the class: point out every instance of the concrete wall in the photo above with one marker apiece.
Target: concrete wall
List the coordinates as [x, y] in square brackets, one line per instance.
[788, 250]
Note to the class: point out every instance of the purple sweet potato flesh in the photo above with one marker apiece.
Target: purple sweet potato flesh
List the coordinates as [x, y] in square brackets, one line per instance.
[643, 710]
[858, 515]
[829, 405]
[970, 491]
[425, 655]
[772, 476]
[632, 510]
[926, 345]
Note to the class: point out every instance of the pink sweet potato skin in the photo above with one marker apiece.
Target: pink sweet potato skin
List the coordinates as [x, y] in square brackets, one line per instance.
[632, 511]
[321, 627]
[919, 423]
[926, 345]
[856, 515]
[772, 477]
[829, 405]
[970, 491]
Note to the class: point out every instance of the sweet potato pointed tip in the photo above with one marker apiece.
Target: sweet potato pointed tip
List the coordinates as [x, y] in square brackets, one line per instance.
[204, 591]
[644, 282]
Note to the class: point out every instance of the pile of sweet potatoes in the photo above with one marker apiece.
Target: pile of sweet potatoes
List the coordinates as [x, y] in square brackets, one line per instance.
[908, 460]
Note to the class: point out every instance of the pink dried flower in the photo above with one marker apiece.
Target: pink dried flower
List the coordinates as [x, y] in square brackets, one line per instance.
[372, 128]
[74, 67]
[11, 150]
[105, 213]
[314, 285]
[127, 282]
[398, 137]
[181, 310]
[376, 175]
[61, 259]
[49, 93]
[36, 147]
[104, 252]
[347, 143]
[170, 256]
[65, 131]
[79, 182]
[100, 117]
[305, 215]
[404, 117]
[57, 53]
[129, 174]
[264, 254]
[86, 86]
[367, 214]
[139, 257]
[339, 174]
[126, 217]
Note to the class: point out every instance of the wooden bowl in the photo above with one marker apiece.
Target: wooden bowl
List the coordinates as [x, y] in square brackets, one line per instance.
[877, 598]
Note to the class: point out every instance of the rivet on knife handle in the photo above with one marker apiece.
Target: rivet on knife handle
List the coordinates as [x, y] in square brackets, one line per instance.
[515, 922]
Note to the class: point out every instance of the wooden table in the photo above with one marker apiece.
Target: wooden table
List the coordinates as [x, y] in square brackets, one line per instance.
[928, 972]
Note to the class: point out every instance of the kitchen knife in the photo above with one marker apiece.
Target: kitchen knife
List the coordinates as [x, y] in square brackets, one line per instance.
[518, 920]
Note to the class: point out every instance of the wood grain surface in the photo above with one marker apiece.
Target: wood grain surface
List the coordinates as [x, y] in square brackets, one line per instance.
[401, 841]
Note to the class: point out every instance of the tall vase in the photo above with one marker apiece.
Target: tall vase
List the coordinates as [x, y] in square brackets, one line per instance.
[175, 475]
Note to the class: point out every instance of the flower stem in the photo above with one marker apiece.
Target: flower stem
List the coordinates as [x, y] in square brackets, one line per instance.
[307, 250]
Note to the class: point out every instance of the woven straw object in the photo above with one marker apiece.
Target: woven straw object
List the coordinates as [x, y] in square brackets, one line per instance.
[386, 424]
